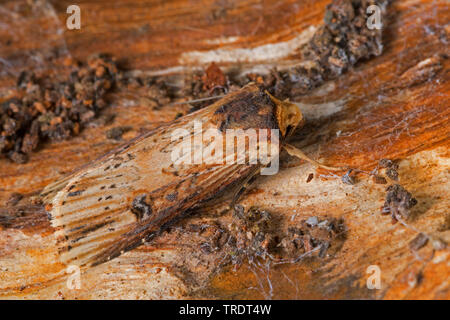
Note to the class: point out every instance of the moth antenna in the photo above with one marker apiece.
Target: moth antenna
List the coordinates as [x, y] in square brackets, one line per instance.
[295, 152]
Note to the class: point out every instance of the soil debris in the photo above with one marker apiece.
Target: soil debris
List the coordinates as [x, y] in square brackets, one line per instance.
[202, 85]
[390, 169]
[313, 234]
[379, 179]
[257, 233]
[153, 92]
[336, 46]
[386, 163]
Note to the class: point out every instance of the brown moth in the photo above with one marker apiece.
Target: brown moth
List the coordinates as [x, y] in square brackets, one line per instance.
[127, 196]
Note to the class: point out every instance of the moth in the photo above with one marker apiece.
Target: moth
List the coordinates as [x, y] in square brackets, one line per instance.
[129, 195]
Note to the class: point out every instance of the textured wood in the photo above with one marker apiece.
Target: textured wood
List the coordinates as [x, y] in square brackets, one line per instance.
[388, 107]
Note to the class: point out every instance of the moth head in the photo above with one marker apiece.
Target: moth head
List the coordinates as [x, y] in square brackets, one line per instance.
[288, 116]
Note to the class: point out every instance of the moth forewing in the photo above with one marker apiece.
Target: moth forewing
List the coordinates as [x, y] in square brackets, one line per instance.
[129, 195]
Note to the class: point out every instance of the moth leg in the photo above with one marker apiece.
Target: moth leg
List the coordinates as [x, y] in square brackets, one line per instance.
[295, 152]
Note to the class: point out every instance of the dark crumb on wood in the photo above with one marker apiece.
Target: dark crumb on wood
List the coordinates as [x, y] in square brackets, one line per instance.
[24, 217]
[102, 120]
[418, 242]
[312, 235]
[117, 132]
[152, 91]
[200, 85]
[398, 202]
[214, 78]
[251, 234]
[349, 178]
[14, 199]
[158, 91]
[172, 196]
[392, 173]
